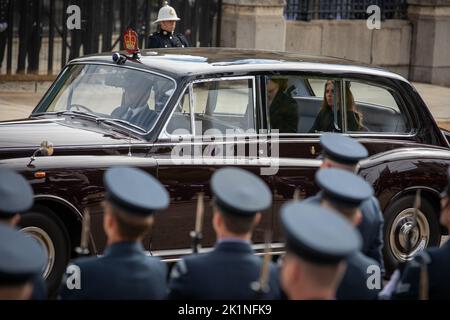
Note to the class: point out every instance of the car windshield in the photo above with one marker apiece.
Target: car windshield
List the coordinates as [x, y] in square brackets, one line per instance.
[116, 94]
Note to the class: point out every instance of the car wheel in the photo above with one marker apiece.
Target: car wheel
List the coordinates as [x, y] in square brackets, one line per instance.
[44, 226]
[399, 227]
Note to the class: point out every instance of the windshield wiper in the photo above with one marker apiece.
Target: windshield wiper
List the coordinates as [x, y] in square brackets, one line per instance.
[115, 121]
[66, 112]
[81, 113]
[37, 114]
[91, 116]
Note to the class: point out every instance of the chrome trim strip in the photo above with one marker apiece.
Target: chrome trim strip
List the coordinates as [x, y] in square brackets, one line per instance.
[77, 147]
[164, 135]
[343, 106]
[405, 154]
[188, 251]
[191, 109]
[262, 161]
[62, 200]
[361, 134]
[30, 121]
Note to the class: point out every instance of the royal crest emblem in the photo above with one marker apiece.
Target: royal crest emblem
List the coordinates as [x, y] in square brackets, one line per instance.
[131, 41]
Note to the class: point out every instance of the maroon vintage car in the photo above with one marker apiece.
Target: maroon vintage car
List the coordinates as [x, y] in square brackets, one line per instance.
[202, 109]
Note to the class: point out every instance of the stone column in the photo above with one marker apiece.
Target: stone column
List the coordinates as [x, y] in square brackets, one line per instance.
[430, 54]
[253, 24]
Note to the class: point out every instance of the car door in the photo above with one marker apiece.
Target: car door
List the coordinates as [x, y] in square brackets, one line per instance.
[299, 146]
[212, 125]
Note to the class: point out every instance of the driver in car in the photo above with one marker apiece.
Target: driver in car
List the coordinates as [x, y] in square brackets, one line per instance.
[135, 108]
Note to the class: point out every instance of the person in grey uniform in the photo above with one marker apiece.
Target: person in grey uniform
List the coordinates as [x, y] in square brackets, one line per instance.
[342, 152]
[21, 261]
[124, 271]
[345, 192]
[228, 272]
[16, 198]
[318, 242]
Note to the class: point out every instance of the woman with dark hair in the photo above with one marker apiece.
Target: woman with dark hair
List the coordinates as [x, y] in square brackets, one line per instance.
[282, 108]
[325, 119]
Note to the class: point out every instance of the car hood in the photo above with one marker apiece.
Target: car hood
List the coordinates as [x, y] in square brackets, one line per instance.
[59, 131]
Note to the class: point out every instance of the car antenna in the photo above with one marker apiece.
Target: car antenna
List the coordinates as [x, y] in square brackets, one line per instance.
[129, 145]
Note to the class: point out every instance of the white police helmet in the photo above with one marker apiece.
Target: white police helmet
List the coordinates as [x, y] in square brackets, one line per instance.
[167, 13]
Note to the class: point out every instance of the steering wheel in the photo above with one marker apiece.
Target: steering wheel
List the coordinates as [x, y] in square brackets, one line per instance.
[79, 107]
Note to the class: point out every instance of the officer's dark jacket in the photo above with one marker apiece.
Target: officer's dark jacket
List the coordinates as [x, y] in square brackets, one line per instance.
[283, 113]
[222, 274]
[325, 121]
[40, 290]
[354, 284]
[164, 39]
[124, 272]
[371, 228]
[437, 261]
[4, 11]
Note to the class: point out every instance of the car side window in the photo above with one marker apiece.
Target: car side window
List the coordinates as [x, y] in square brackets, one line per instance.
[297, 104]
[372, 108]
[224, 106]
[180, 122]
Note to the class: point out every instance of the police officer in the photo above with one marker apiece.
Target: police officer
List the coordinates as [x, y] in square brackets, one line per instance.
[16, 198]
[344, 192]
[4, 6]
[124, 271]
[165, 37]
[431, 265]
[318, 240]
[30, 35]
[21, 261]
[340, 151]
[228, 271]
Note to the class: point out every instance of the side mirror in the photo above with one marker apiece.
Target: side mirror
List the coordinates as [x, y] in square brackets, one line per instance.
[45, 149]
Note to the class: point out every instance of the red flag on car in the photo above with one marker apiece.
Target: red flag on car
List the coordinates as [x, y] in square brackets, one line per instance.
[131, 41]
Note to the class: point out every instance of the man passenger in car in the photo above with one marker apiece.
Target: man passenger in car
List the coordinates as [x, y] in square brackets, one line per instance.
[124, 271]
[427, 275]
[342, 152]
[16, 198]
[344, 192]
[282, 108]
[318, 241]
[228, 272]
[135, 108]
[325, 118]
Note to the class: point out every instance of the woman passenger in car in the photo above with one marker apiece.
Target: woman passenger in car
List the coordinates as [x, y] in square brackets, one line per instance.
[325, 119]
[282, 108]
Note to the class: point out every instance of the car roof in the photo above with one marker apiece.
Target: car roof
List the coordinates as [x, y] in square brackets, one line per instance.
[199, 61]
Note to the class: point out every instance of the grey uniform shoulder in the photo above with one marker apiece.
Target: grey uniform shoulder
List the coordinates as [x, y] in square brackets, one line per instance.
[372, 204]
[156, 263]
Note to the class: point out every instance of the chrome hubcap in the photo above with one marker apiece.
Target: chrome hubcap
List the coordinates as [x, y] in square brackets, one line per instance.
[404, 230]
[44, 240]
